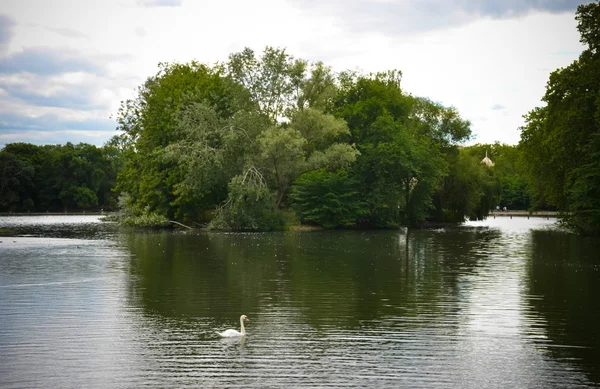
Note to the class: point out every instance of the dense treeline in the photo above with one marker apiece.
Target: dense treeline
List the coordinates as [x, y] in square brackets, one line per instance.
[57, 178]
[262, 141]
[561, 141]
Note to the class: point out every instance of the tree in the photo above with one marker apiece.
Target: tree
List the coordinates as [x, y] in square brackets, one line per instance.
[468, 191]
[274, 80]
[559, 141]
[328, 199]
[401, 141]
[250, 206]
[510, 184]
[282, 157]
[16, 177]
[57, 177]
[150, 123]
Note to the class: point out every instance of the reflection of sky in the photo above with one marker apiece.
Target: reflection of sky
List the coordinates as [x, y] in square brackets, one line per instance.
[503, 340]
[61, 318]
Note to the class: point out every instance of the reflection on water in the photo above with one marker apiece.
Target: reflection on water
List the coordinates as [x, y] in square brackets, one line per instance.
[501, 303]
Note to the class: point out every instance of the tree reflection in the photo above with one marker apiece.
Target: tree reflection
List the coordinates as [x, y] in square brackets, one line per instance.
[563, 274]
[332, 278]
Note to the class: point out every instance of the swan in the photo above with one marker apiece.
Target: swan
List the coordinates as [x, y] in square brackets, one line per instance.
[232, 333]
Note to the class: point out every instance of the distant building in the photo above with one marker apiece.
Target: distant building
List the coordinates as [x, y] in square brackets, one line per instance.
[486, 161]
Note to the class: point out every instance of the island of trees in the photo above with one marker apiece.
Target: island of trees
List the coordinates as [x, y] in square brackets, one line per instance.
[265, 141]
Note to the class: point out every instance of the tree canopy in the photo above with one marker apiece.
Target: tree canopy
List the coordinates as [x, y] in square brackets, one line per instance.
[57, 178]
[561, 141]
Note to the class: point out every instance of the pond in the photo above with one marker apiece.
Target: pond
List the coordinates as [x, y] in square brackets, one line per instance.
[500, 303]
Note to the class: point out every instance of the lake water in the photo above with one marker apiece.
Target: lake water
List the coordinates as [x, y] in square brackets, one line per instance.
[506, 303]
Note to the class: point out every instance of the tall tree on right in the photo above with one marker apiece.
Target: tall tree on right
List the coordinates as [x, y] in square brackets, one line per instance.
[561, 141]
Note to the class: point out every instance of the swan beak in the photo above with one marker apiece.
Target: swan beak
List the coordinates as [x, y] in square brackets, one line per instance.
[246, 319]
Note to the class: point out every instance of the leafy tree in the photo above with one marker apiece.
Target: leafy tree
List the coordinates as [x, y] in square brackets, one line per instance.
[150, 123]
[16, 177]
[320, 130]
[584, 195]
[401, 140]
[250, 206]
[55, 177]
[282, 157]
[193, 134]
[328, 199]
[442, 125]
[274, 80]
[559, 141]
[467, 191]
[510, 184]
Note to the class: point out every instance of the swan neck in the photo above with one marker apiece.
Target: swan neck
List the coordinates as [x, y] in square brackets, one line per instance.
[242, 325]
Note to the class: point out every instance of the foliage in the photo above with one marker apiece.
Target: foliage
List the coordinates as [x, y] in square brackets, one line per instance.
[559, 141]
[401, 142]
[52, 178]
[193, 128]
[584, 195]
[273, 81]
[510, 184]
[144, 220]
[328, 199]
[237, 137]
[150, 123]
[250, 206]
[16, 178]
[282, 157]
[443, 125]
[461, 190]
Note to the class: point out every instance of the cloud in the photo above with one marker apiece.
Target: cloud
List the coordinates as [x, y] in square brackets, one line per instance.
[47, 61]
[67, 32]
[407, 17]
[160, 3]
[52, 122]
[6, 30]
[79, 98]
[53, 129]
[140, 31]
[498, 107]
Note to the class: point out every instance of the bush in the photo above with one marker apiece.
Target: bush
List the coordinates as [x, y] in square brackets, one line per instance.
[147, 220]
[134, 217]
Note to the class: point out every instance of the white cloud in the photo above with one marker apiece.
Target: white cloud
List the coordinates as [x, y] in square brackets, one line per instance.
[472, 55]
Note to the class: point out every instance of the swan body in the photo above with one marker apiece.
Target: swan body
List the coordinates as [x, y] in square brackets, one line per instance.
[234, 333]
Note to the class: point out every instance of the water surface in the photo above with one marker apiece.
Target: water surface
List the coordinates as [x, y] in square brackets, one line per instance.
[500, 303]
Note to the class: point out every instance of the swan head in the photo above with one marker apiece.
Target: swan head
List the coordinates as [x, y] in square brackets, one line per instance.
[244, 318]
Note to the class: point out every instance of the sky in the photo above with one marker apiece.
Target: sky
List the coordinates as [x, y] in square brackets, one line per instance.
[66, 65]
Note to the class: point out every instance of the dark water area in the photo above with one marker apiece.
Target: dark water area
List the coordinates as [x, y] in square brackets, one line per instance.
[500, 303]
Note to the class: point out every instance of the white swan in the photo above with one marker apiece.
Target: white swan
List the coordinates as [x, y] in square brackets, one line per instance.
[232, 333]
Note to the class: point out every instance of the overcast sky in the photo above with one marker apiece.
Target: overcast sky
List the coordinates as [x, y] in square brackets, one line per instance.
[65, 66]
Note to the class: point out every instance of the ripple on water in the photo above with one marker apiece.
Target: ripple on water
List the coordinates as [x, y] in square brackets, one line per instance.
[452, 308]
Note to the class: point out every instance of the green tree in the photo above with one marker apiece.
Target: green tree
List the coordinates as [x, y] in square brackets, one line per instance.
[328, 199]
[511, 187]
[282, 157]
[58, 177]
[401, 140]
[150, 123]
[274, 80]
[16, 177]
[559, 141]
[250, 206]
[468, 191]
